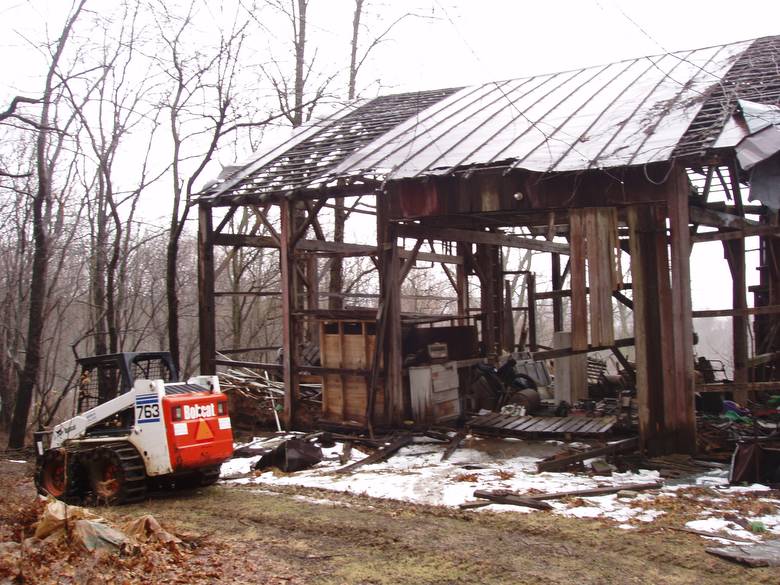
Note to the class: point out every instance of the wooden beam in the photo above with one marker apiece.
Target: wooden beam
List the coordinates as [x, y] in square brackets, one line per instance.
[579, 301]
[384, 452]
[561, 463]
[681, 396]
[761, 230]
[289, 286]
[499, 497]
[739, 387]
[647, 237]
[557, 284]
[568, 351]
[326, 247]
[530, 283]
[559, 294]
[599, 491]
[478, 237]
[739, 312]
[206, 308]
[718, 219]
[409, 262]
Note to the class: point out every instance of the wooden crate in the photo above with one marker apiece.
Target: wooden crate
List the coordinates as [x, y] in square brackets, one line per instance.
[348, 344]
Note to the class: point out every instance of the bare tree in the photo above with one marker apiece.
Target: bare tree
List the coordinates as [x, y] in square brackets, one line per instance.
[41, 203]
[201, 113]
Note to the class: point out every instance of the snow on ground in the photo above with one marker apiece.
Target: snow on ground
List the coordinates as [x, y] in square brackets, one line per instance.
[416, 474]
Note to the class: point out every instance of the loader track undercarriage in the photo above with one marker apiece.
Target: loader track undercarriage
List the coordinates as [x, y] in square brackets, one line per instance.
[108, 473]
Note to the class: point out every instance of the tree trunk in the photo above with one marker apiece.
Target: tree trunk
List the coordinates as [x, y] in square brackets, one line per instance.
[40, 204]
[300, 61]
[172, 295]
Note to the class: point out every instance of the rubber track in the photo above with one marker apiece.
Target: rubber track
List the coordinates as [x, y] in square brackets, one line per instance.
[133, 470]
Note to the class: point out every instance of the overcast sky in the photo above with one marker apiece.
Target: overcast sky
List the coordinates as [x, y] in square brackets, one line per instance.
[453, 43]
[460, 42]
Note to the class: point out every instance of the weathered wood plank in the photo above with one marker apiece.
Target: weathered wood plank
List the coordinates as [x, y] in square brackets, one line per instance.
[384, 452]
[479, 237]
[206, 305]
[680, 395]
[498, 497]
[453, 445]
[564, 462]
[579, 301]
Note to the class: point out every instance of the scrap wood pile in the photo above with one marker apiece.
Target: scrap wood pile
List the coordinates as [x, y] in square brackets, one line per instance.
[257, 399]
[50, 541]
[717, 435]
[262, 387]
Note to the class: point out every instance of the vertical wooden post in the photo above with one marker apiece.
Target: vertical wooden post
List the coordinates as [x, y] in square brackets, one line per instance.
[289, 288]
[206, 305]
[579, 301]
[530, 281]
[312, 295]
[767, 293]
[508, 340]
[647, 239]
[557, 284]
[682, 317]
[461, 279]
[734, 251]
[389, 325]
[491, 293]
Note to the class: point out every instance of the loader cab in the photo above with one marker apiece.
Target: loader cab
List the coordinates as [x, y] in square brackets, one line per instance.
[105, 377]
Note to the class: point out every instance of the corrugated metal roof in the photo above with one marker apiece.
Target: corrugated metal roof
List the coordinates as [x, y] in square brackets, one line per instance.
[632, 112]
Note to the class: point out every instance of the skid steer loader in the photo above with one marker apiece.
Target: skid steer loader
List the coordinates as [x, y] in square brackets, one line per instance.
[135, 426]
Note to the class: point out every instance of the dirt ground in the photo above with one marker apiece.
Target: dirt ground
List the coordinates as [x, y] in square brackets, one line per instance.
[301, 536]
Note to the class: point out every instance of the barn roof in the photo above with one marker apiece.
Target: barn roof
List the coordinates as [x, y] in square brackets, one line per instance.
[632, 112]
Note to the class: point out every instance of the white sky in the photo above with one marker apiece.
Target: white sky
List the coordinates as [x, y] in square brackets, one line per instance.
[455, 43]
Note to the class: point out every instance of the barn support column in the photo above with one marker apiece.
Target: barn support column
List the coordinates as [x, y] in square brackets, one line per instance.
[734, 250]
[488, 269]
[647, 240]
[389, 321]
[767, 293]
[290, 300]
[206, 305]
[684, 434]
[663, 323]
[461, 279]
[557, 285]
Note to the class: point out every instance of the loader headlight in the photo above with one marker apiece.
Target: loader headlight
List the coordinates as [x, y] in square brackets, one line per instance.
[177, 413]
[221, 407]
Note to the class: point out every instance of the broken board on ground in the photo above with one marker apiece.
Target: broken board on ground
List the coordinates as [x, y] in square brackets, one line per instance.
[530, 426]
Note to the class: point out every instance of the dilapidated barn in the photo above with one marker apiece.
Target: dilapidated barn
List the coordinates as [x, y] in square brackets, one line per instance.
[581, 165]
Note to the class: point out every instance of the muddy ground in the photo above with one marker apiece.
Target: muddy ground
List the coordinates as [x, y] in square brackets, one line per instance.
[251, 535]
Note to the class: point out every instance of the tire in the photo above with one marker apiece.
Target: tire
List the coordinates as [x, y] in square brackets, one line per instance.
[116, 474]
[57, 474]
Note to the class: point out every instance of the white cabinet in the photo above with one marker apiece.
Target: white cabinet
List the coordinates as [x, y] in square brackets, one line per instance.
[434, 392]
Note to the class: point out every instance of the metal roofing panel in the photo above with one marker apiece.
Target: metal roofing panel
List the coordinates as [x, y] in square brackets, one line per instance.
[631, 112]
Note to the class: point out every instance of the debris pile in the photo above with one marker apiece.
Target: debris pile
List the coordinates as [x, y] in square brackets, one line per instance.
[56, 542]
